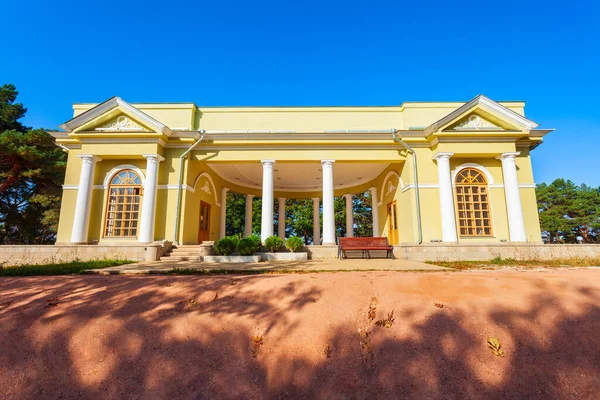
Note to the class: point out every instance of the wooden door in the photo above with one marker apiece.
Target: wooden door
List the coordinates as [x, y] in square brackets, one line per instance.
[204, 225]
[392, 222]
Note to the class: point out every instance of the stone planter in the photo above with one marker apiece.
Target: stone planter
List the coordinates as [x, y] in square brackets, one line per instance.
[231, 259]
[284, 256]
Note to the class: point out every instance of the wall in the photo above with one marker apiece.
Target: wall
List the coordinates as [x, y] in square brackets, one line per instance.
[483, 252]
[21, 255]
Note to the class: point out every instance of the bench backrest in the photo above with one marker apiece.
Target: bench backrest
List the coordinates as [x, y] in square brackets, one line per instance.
[363, 242]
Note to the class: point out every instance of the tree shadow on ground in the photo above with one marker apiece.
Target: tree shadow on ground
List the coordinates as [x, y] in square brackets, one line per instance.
[191, 337]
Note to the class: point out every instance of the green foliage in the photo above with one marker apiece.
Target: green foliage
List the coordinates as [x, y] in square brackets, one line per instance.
[294, 244]
[246, 247]
[255, 241]
[569, 213]
[503, 261]
[235, 239]
[273, 243]
[31, 173]
[225, 246]
[67, 268]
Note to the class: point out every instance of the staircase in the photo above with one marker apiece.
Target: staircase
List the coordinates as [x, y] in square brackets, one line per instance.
[186, 252]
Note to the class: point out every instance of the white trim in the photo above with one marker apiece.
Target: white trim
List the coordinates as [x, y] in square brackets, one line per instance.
[421, 186]
[121, 167]
[481, 168]
[86, 140]
[175, 187]
[212, 183]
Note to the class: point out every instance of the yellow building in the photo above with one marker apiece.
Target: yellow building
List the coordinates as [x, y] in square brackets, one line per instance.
[437, 171]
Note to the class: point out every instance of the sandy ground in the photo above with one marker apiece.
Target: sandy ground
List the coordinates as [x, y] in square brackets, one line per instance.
[146, 337]
[380, 264]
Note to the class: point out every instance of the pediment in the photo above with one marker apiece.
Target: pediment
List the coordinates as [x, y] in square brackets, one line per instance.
[114, 115]
[475, 122]
[481, 114]
[120, 123]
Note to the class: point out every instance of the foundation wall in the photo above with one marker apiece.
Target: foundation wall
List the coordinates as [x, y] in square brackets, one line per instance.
[483, 252]
[20, 255]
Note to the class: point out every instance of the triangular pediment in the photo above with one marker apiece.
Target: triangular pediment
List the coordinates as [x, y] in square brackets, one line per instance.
[119, 123]
[477, 122]
[482, 114]
[114, 115]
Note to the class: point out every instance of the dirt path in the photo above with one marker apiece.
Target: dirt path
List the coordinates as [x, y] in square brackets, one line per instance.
[307, 336]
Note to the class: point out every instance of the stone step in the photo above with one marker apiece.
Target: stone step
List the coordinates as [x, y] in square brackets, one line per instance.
[185, 252]
[180, 258]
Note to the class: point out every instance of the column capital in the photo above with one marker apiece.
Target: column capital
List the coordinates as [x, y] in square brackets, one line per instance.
[224, 189]
[508, 156]
[442, 156]
[281, 199]
[349, 196]
[153, 157]
[373, 189]
[267, 163]
[249, 196]
[327, 163]
[89, 158]
[316, 200]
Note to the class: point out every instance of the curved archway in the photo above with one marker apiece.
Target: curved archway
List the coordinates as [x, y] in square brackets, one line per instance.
[481, 168]
[212, 184]
[119, 168]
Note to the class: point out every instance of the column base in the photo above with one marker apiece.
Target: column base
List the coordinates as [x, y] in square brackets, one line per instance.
[329, 244]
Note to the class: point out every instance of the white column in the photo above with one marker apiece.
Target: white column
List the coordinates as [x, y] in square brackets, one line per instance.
[316, 221]
[446, 197]
[266, 218]
[516, 224]
[281, 218]
[146, 234]
[223, 213]
[328, 210]
[375, 211]
[248, 222]
[81, 219]
[349, 216]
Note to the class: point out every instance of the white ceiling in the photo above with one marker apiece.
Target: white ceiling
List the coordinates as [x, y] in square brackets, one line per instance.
[298, 177]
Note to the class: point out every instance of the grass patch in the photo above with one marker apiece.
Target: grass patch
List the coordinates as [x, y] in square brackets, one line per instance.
[67, 268]
[499, 262]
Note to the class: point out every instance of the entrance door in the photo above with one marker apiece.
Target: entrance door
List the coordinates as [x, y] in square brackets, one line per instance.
[204, 225]
[392, 222]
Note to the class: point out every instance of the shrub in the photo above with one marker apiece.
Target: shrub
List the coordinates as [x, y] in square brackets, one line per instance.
[256, 240]
[294, 243]
[273, 243]
[225, 246]
[246, 247]
[235, 239]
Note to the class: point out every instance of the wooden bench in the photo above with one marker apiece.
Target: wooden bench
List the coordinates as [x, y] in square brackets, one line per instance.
[364, 245]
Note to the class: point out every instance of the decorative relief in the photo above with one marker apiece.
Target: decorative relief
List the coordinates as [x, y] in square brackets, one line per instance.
[121, 123]
[206, 188]
[390, 188]
[475, 122]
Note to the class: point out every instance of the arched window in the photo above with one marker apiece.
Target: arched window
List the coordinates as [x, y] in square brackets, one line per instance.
[473, 203]
[123, 207]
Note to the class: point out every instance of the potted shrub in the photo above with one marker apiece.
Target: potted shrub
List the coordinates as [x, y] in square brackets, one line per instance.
[273, 243]
[225, 247]
[294, 244]
[246, 247]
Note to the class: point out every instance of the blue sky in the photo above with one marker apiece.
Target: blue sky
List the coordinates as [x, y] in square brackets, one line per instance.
[317, 53]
